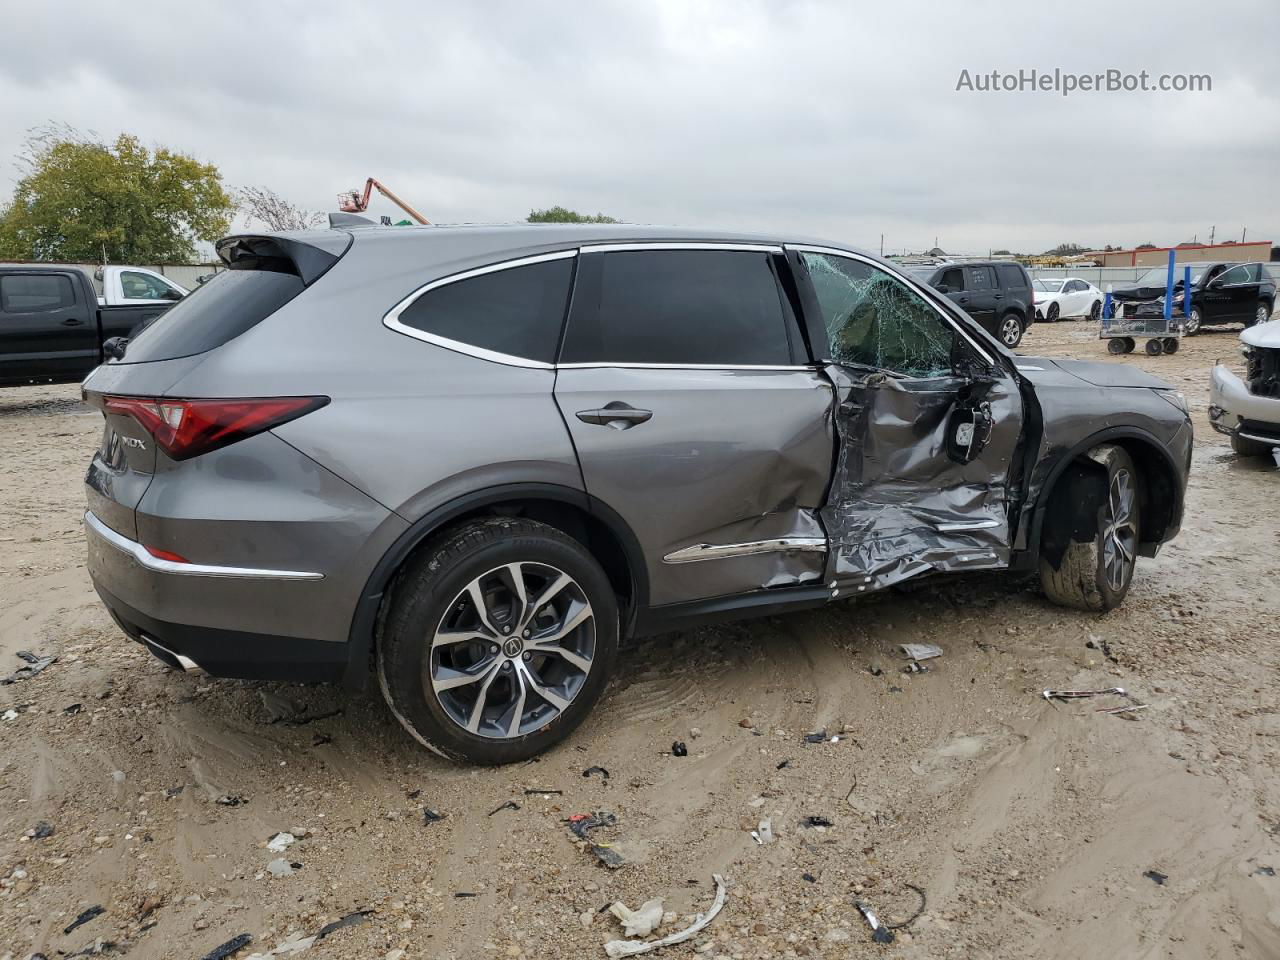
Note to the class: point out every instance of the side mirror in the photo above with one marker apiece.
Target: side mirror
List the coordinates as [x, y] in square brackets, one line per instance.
[172, 294]
[1215, 283]
[942, 288]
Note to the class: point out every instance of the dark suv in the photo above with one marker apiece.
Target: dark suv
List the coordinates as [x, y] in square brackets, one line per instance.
[1220, 293]
[470, 460]
[996, 293]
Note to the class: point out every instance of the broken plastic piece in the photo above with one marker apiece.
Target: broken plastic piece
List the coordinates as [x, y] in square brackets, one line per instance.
[678, 749]
[281, 842]
[920, 651]
[532, 792]
[509, 805]
[222, 951]
[41, 830]
[350, 920]
[764, 832]
[816, 737]
[782, 764]
[1156, 876]
[35, 665]
[84, 917]
[600, 770]
[808, 878]
[640, 922]
[464, 894]
[914, 667]
[581, 824]
[430, 816]
[813, 821]
[879, 932]
[1265, 872]
[631, 948]
[230, 800]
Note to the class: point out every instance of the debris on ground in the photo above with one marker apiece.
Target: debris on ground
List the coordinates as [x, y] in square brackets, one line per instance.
[763, 833]
[678, 749]
[10, 715]
[230, 800]
[875, 671]
[509, 805]
[879, 932]
[914, 667]
[41, 830]
[1265, 872]
[71, 709]
[431, 816]
[783, 764]
[1082, 694]
[818, 736]
[815, 821]
[84, 917]
[534, 791]
[222, 951]
[1128, 711]
[280, 867]
[581, 824]
[171, 792]
[350, 920]
[462, 894]
[294, 943]
[34, 666]
[808, 878]
[1096, 642]
[1156, 877]
[278, 708]
[281, 842]
[920, 651]
[600, 770]
[320, 739]
[639, 922]
[631, 948]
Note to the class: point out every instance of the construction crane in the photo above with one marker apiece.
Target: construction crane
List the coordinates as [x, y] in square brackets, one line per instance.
[355, 202]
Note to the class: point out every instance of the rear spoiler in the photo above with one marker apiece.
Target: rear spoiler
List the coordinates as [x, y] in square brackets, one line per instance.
[305, 254]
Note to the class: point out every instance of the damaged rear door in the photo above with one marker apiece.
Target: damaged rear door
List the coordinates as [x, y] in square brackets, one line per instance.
[695, 414]
[928, 419]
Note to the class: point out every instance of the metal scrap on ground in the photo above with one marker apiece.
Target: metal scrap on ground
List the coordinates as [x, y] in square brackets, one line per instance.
[34, 666]
[582, 823]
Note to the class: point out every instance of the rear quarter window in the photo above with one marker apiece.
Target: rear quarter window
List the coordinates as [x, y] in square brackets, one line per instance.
[513, 310]
[1012, 275]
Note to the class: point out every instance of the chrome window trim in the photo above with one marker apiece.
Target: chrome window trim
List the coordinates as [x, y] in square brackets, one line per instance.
[911, 284]
[392, 319]
[145, 559]
[605, 364]
[721, 551]
[680, 245]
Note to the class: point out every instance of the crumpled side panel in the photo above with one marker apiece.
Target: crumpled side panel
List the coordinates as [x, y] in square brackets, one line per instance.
[896, 491]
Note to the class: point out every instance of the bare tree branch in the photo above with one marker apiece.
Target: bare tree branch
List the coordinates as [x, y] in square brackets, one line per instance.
[267, 206]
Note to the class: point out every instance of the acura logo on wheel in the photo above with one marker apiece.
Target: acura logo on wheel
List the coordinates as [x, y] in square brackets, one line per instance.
[512, 647]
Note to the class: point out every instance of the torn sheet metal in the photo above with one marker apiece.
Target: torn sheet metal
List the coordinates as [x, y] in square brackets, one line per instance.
[899, 504]
[781, 548]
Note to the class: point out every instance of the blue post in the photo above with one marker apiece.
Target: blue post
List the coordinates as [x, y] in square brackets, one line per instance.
[1186, 291]
[1106, 305]
[1168, 288]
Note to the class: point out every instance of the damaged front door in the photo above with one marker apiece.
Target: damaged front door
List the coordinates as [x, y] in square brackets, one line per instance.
[928, 422]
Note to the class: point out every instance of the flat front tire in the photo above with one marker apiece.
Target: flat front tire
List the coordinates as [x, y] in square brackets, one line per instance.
[1094, 573]
[498, 640]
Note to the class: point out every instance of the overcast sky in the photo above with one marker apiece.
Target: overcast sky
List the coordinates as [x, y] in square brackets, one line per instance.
[840, 120]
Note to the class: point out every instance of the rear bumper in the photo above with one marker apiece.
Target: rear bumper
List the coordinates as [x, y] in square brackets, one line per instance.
[229, 621]
[1235, 411]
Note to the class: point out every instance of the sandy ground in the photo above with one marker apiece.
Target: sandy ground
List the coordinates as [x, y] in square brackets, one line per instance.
[1028, 825]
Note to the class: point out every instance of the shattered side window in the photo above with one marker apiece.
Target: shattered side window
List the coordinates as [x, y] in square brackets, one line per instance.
[873, 319]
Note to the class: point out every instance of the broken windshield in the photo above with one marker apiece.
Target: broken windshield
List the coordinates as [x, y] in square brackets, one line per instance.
[874, 320]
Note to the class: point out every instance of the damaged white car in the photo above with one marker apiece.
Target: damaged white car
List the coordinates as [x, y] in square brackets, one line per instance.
[1248, 410]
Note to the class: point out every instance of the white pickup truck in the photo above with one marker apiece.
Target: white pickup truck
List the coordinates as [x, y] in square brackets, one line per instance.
[134, 286]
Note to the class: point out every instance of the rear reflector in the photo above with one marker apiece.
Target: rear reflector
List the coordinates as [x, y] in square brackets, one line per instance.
[188, 428]
[166, 555]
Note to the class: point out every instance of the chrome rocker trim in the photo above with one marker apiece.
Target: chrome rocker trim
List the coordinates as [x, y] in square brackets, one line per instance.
[709, 551]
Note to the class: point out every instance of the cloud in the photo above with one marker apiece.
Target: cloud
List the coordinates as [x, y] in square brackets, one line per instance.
[820, 118]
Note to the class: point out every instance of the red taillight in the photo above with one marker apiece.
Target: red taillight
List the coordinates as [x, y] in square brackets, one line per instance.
[188, 428]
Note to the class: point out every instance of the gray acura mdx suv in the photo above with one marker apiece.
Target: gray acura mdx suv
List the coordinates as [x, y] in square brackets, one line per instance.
[468, 460]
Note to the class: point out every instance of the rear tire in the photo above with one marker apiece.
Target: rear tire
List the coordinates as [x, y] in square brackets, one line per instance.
[1191, 325]
[1010, 330]
[531, 686]
[1095, 574]
[1249, 448]
[1095, 312]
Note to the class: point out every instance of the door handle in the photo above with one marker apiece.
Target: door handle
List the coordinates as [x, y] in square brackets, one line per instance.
[999, 296]
[962, 299]
[72, 322]
[618, 415]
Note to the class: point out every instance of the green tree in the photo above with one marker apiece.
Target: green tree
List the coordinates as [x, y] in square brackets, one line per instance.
[565, 215]
[82, 199]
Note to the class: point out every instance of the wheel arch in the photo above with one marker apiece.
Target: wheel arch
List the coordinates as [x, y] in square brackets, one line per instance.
[1160, 494]
[574, 512]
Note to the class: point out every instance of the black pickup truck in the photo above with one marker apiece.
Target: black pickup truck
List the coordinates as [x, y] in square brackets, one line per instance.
[52, 328]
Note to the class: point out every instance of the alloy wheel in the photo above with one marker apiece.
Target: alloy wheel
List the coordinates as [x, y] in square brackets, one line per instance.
[1262, 315]
[512, 651]
[1119, 532]
[1010, 331]
[1192, 323]
[1095, 311]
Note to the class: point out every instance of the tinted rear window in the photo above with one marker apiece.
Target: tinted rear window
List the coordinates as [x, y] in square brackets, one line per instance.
[218, 311]
[516, 311]
[35, 293]
[679, 307]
